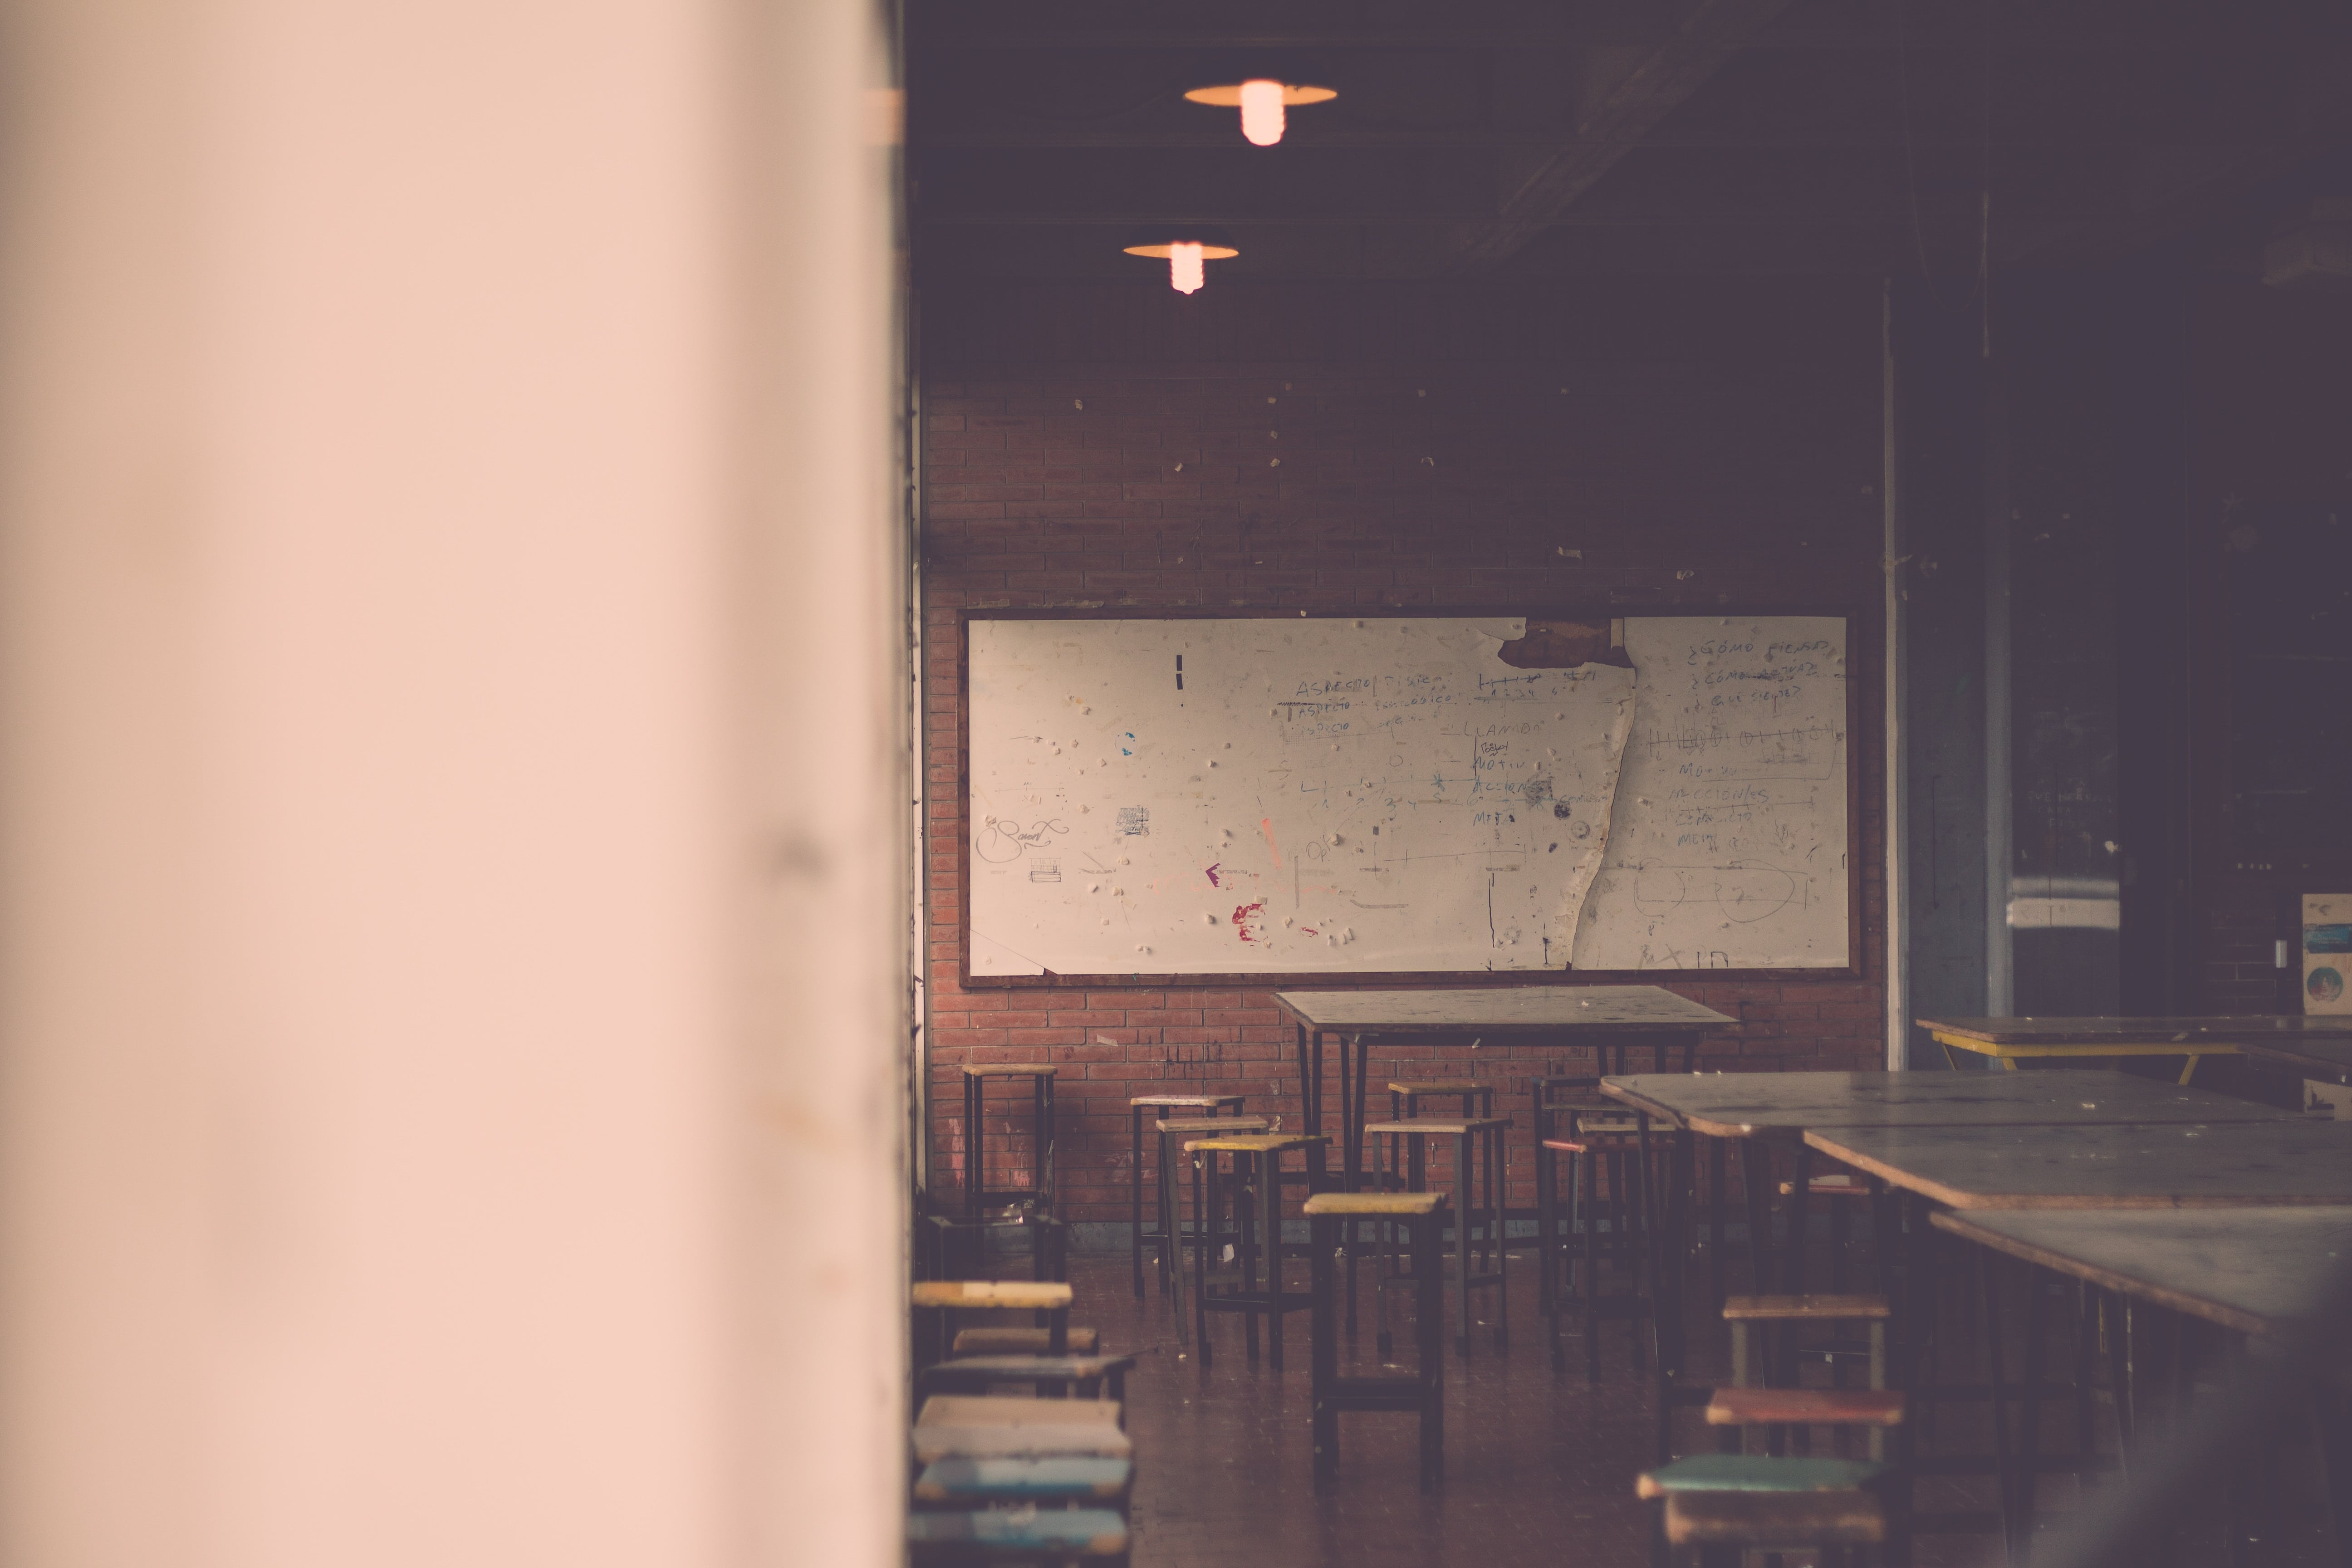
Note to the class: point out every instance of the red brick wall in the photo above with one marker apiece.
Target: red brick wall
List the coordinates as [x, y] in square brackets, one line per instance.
[1647, 446]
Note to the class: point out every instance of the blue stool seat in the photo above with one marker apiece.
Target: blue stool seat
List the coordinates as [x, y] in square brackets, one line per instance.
[1068, 1531]
[1022, 1480]
[1758, 1473]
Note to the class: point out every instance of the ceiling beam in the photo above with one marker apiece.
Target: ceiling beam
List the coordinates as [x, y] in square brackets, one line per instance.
[1629, 93]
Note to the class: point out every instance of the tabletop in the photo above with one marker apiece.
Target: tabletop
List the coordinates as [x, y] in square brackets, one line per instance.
[2106, 1166]
[2328, 1058]
[1525, 1009]
[1762, 1104]
[2255, 1270]
[2285, 1027]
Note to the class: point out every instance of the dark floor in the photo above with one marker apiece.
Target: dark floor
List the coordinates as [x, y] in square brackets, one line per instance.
[1539, 1469]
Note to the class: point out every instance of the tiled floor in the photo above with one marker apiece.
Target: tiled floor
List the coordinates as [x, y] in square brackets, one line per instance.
[1540, 1467]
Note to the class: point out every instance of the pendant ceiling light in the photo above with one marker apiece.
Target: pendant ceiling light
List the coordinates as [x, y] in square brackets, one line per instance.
[1185, 245]
[1263, 86]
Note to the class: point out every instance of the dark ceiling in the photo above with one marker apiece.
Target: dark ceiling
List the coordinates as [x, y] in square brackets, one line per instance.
[1511, 138]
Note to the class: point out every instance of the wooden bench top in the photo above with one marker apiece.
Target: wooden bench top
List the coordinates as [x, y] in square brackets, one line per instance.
[1756, 1473]
[1022, 1341]
[1187, 1099]
[1829, 1187]
[2256, 1270]
[1024, 1480]
[1007, 1070]
[1043, 1295]
[1805, 1407]
[1784, 1104]
[1503, 1010]
[1452, 1127]
[1440, 1086]
[2230, 1165]
[1375, 1203]
[1774, 1519]
[1214, 1124]
[1805, 1309]
[1258, 1143]
[990, 1426]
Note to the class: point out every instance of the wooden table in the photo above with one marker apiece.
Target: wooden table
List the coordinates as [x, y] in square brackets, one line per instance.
[2171, 1167]
[1780, 1106]
[2265, 1271]
[2258, 1271]
[2314, 1055]
[1599, 1016]
[2012, 1040]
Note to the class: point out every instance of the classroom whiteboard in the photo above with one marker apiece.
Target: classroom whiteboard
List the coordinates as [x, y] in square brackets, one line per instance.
[1402, 796]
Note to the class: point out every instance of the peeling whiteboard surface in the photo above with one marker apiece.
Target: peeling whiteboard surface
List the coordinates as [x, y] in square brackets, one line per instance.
[1331, 796]
[1729, 847]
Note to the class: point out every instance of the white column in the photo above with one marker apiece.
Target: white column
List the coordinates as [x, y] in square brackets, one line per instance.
[451, 895]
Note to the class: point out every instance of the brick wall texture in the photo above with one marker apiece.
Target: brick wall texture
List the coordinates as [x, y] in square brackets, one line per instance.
[1627, 447]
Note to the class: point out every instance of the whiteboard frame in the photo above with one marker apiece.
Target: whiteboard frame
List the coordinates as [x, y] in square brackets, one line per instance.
[1854, 968]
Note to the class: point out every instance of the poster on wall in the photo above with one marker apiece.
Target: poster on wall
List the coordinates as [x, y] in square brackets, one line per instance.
[2328, 952]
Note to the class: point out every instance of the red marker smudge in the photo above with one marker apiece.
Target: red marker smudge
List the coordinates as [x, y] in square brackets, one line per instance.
[1243, 915]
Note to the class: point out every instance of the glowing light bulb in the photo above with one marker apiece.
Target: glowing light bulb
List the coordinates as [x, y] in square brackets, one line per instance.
[1262, 116]
[1184, 274]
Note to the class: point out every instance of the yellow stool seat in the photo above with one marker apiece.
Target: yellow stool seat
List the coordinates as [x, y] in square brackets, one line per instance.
[1349, 1204]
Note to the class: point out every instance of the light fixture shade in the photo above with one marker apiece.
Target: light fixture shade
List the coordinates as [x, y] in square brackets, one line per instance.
[1262, 85]
[1185, 247]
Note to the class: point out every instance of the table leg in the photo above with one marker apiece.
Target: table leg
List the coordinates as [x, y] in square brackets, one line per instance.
[1755, 1176]
[1718, 1174]
[1269, 1208]
[1989, 1265]
[2115, 1309]
[2029, 1437]
[2189, 1069]
[1135, 1192]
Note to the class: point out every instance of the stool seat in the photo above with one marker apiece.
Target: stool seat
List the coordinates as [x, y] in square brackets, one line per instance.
[1040, 1295]
[1565, 1146]
[1021, 1342]
[1024, 1480]
[1257, 1142]
[1195, 1101]
[1439, 1086]
[1048, 1368]
[1010, 1069]
[1829, 1187]
[991, 1427]
[1214, 1125]
[1431, 1126]
[1805, 1309]
[1805, 1407]
[1774, 1519]
[1755, 1473]
[1345, 1203]
[1019, 1532]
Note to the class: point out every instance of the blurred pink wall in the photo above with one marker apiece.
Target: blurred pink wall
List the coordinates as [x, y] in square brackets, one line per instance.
[451, 784]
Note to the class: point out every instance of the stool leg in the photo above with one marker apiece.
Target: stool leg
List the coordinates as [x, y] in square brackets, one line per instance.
[1202, 1232]
[1429, 1311]
[1496, 1195]
[1135, 1193]
[1269, 1204]
[1754, 1174]
[1049, 1198]
[1325, 1366]
[972, 1179]
[1546, 1205]
[1171, 1224]
[1245, 1171]
[1386, 1343]
[1584, 1181]
[1462, 1217]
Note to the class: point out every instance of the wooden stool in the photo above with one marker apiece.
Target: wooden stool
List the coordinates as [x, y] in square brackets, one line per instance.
[1737, 1504]
[1021, 1342]
[1629, 1304]
[1258, 1167]
[1422, 1393]
[1060, 1509]
[988, 1426]
[1404, 1097]
[1172, 1263]
[1025, 1534]
[1746, 1406]
[1845, 1194]
[1208, 1105]
[1050, 1300]
[1067, 1376]
[977, 1196]
[1484, 1136]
